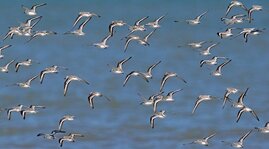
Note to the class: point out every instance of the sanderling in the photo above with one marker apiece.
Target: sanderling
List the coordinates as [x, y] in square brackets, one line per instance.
[27, 62]
[5, 68]
[235, 19]
[50, 136]
[160, 114]
[212, 61]
[229, 91]
[253, 32]
[103, 43]
[41, 33]
[95, 94]
[114, 24]
[196, 20]
[233, 4]
[69, 138]
[144, 41]
[118, 69]
[155, 23]
[206, 51]
[240, 104]
[246, 109]
[200, 99]
[86, 14]
[169, 96]
[17, 108]
[264, 129]
[28, 22]
[70, 78]
[137, 26]
[65, 118]
[52, 69]
[150, 100]
[251, 10]
[79, 31]
[134, 73]
[239, 143]
[203, 141]
[148, 74]
[13, 31]
[32, 11]
[27, 83]
[30, 110]
[225, 34]
[129, 39]
[218, 72]
[168, 75]
[3, 48]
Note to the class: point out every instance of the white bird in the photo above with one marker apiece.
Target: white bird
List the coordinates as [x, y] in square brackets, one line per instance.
[13, 109]
[206, 51]
[240, 142]
[3, 48]
[240, 104]
[229, 91]
[41, 33]
[65, 118]
[129, 39]
[86, 14]
[52, 69]
[203, 141]
[264, 129]
[114, 24]
[134, 73]
[252, 9]
[169, 96]
[160, 114]
[235, 3]
[70, 138]
[246, 109]
[32, 11]
[50, 136]
[70, 78]
[5, 68]
[148, 74]
[92, 95]
[30, 110]
[144, 41]
[137, 26]
[200, 99]
[168, 75]
[27, 62]
[212, 61]
[119, 69]
[79, 31]
[226, 34]
[27, 83]
[196, 20]
[218, 71]
[103, 43]
[155, 23]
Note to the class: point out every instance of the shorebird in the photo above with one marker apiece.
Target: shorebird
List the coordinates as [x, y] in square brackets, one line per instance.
[200, 99]
[79, 31]
[70, 78]
[206, 51]
[32, 11]
[196, 20]
[129, 39]
[240, 142]
[212, 61]
[65, 118]
[240, 104]
[134, 73]
[148, 74]
[160, 114]
[155, 23]
[88, 15]
[251, 10]
[50, 136]
[150, 100]
[27, 62]
[17, 108]
[27, 83]
[95, 94]
[246, 109]
[3, 48]
[144, 41]
[118, 69]
[103, 43]
[5, 68]
[229, 91]
[235, 3]
[114, 24]
[168, 75]
[156, 100]
[69, 138]
[169, 96]
[28, 22]
[30, 110]
[196, 45]
[137, 26]
[52, 69]
[203, 141]
[41, 33]
[235, 19]
[264, 129]
[253, 32]
[226, 34]
[218, 72]
[13, 31]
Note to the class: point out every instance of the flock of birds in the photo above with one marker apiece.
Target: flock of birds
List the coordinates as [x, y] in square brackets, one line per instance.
[26, 29]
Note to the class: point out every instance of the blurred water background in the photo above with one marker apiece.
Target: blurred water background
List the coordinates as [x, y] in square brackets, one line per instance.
[123, 123]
